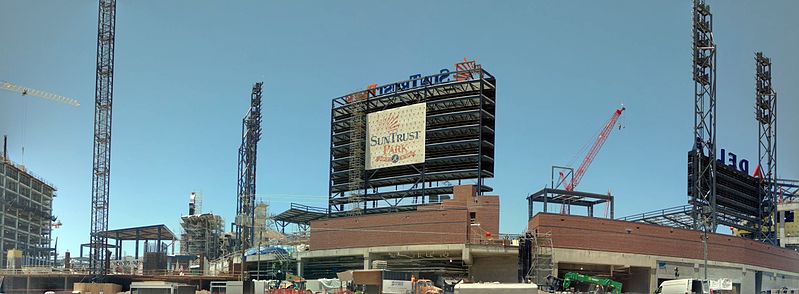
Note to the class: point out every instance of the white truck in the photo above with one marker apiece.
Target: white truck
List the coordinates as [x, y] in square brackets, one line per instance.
[496, 288]
[683, 286]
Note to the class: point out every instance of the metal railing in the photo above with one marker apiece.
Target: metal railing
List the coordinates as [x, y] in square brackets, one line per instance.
[657, 213]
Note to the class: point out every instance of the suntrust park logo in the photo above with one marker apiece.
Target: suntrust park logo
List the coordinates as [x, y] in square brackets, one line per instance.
[396, 136]
[394, 144]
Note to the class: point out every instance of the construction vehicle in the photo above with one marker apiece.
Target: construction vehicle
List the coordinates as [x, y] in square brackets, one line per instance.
[683, 286]
[496, 288]
[596, 284]
[425, 286]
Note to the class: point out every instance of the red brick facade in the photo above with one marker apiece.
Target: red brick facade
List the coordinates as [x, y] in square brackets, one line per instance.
[445, 223]
[576, 232]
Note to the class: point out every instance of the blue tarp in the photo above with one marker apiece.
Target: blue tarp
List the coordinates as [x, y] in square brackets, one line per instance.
[263, 250]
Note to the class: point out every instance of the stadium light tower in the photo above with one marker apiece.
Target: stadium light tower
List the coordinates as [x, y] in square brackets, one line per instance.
[766, 116]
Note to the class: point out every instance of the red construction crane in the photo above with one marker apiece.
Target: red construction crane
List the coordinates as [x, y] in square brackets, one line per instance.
[600, 140]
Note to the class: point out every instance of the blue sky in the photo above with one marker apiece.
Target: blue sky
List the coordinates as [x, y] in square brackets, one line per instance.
[184, 70]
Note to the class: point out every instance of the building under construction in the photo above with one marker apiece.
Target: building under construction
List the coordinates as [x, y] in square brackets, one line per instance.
[408, 170]
[411, 141]
[201, 233]
[26, 216]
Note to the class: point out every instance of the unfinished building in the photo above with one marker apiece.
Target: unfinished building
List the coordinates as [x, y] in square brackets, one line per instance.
[25, 216]
[201, 233]
[264, 234]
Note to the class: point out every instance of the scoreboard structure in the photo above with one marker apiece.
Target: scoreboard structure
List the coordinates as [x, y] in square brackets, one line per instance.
[739, 196]
[399, 145]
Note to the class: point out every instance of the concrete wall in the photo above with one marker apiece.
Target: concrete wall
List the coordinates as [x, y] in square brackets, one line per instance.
[662, 267]
[494, 269]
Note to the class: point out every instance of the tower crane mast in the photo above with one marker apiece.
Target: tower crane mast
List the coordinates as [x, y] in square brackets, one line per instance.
[101, 167]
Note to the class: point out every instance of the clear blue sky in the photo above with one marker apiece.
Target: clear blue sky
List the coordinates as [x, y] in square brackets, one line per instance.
[184, 70]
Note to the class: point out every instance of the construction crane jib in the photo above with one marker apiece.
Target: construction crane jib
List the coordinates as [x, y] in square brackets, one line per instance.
[24, 91]
[600, 140]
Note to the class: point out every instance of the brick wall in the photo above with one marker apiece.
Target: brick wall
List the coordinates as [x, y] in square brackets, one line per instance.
[577, 232]
[444, 223]
[389, 229]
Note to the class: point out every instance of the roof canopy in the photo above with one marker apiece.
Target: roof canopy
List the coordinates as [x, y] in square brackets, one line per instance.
[153, 232]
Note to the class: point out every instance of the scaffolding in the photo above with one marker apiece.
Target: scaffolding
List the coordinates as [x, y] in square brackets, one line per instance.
[26, 206]
[201, 235]
[356, 181]
[265, 228]
[535, 262]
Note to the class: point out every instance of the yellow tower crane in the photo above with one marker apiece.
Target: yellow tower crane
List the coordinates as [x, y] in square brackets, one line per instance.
[38, 93]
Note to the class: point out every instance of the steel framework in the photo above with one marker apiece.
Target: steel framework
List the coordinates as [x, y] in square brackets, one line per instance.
[459, 146]
[766, 116]
[549, 196]
[101, 167]
[703, 194]
[250, 135]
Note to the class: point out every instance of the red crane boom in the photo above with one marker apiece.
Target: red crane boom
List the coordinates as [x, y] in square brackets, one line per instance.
[600, 140]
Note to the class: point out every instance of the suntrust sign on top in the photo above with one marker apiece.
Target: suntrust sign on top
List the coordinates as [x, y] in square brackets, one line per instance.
[464, 71]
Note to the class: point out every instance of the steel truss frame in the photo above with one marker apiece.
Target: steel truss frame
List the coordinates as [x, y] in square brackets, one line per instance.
[460, 141]
[766, 116]
[703, 191]
[101, 167]
[245, 202]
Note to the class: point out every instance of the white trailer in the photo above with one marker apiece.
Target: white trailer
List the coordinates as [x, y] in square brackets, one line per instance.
[496, 288]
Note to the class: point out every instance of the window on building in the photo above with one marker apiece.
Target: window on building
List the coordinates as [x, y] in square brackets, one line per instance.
[473, 217]
[789, 216]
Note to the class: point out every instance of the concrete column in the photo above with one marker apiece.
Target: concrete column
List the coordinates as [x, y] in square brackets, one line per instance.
[299, 267]
[466, 255]
[367, 261]
[653, 279]
[66, 284]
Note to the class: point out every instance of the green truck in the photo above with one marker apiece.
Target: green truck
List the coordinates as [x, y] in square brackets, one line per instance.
[601, 285]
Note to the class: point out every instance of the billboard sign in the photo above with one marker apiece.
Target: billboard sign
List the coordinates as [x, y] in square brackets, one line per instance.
[396, 136]
[397, 287]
